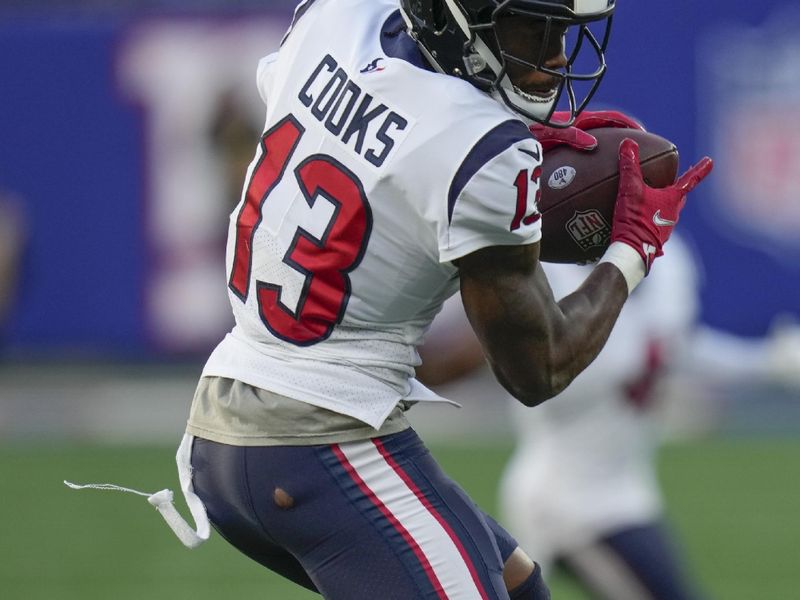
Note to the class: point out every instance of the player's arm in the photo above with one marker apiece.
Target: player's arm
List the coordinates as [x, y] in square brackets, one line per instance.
[537, 346]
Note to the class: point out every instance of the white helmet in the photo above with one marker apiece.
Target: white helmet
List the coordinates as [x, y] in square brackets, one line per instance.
[459, 38]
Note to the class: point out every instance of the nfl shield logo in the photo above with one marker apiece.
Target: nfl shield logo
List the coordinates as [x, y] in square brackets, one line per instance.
[589, 229]
[752, 121]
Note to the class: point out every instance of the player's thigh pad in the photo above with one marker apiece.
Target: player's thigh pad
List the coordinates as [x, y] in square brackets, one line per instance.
[368, 519]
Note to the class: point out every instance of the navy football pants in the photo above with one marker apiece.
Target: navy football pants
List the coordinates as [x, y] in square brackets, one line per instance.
[368, 519]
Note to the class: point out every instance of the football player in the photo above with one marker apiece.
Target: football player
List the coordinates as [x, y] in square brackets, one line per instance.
[398, 165]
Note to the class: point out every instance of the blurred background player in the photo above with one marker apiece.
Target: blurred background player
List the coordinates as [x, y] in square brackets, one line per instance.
[13, 233]
[581, 489]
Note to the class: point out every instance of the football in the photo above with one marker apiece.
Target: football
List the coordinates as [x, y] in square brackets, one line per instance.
[579, 191]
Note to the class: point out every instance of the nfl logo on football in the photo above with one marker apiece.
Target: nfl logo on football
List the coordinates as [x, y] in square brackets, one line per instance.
[589, 229]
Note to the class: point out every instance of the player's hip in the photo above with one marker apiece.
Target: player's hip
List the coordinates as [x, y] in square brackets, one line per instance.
[380, 506]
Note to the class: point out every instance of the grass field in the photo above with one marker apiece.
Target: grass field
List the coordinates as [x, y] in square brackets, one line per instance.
[735, 503]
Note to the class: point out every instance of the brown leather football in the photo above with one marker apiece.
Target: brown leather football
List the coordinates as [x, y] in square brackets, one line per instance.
[579, 191]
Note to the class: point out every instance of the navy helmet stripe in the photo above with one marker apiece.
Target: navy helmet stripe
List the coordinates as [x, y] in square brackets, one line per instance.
[490, 145]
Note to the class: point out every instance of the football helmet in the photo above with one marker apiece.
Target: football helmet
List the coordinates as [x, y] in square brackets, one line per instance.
[460, 38]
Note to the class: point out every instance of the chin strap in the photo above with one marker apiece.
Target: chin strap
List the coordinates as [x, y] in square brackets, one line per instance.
[163, 500]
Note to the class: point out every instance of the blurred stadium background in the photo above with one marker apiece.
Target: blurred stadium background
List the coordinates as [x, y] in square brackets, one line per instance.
[121, 128]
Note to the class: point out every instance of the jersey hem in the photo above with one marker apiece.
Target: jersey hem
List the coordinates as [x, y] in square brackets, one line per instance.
[318, 439]
[474, 245]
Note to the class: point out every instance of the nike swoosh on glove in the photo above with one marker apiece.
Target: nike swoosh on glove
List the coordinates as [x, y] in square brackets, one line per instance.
[644, 217]
[576, 136]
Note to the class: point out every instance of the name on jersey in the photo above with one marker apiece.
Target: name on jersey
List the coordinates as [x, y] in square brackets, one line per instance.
[364, 124]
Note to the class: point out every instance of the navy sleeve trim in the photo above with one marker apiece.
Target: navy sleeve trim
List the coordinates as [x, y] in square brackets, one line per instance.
[490, 145]
[299, 11]
[396, 43]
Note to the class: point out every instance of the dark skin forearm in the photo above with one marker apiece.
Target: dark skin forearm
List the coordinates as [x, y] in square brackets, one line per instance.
[535, 345]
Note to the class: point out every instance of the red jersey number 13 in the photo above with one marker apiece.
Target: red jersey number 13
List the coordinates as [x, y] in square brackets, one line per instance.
[325, 261]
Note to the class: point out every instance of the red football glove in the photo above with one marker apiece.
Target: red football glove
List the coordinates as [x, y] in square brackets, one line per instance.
[604, 118]
[552, 137]
[644, 217]
[576, 136]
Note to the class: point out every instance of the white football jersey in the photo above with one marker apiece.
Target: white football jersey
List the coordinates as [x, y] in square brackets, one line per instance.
[372, 175]
[583, 465]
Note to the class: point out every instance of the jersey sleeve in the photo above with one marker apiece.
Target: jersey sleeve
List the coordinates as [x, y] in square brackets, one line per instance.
[492, 199]
[263, 73]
